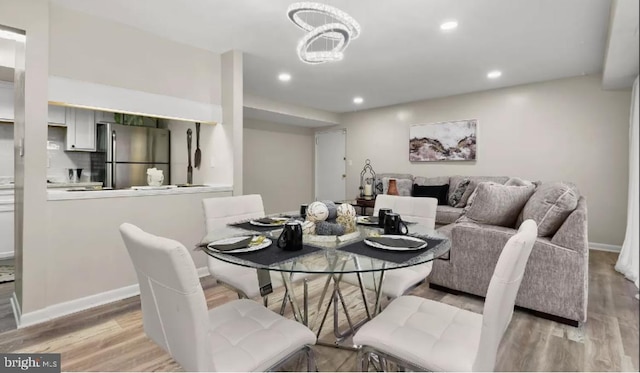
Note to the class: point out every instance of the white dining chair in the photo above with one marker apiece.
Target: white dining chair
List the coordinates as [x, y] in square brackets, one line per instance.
[397, 282]
[421, 334]
[219, 212]
[241, 335]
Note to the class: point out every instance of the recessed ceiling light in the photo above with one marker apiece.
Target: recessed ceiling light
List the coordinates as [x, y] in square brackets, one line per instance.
[449, 25]
[284, 77]
[494, 74]
[358, 100]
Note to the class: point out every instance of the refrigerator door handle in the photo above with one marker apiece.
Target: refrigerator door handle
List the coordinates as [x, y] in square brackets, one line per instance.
[113, 159]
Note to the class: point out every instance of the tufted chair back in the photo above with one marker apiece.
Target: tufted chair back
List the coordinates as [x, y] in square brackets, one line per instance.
[174, 309]
[225, 210]
[421, 210]
[501, 295]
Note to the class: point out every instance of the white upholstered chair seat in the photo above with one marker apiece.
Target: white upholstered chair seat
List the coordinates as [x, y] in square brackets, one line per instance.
[247, 337]
[433, 335]
[395, 282]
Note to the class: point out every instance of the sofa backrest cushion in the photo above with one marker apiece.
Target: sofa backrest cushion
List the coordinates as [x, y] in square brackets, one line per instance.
[404, 186]
[473, 184]
[550, 206]
[497, 204]
[378, 185]
[437, 180]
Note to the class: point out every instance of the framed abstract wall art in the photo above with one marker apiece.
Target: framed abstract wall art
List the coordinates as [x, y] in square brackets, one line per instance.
[444, 141]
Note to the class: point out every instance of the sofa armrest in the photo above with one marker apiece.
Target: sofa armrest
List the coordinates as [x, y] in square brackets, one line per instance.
[555, 279]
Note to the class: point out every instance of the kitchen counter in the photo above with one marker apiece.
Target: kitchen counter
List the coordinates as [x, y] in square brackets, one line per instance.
[57, 185]
[63, 195]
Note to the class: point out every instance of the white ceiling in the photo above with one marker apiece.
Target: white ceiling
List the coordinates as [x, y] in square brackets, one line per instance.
[401, 54]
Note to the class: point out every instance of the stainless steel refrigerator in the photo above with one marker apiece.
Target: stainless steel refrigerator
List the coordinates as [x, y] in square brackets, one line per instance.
[124, 153]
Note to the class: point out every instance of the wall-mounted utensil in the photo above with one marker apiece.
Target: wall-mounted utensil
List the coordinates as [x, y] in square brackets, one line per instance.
[198, 156]
[189, 166]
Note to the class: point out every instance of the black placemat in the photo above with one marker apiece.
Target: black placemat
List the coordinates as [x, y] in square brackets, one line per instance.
[256, 228]
[399, 257]
[273, 254]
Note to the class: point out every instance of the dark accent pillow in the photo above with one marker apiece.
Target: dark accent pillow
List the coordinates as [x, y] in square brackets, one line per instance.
[434, 191]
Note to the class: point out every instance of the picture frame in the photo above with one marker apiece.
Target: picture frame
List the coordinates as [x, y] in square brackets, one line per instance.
[444, 141]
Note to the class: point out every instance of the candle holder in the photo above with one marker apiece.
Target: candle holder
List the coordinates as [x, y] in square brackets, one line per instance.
[367, 179]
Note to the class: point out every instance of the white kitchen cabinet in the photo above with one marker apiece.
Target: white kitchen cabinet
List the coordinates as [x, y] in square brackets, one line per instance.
[6, 230]
[57, 115]
[81, 130]
[6, 102]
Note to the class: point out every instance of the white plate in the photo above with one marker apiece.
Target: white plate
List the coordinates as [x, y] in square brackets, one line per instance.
[365, 220]
[266, 243]
[384, 247]
[259, 224]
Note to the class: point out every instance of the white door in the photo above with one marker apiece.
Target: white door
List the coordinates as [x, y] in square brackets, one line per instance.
[331, 169]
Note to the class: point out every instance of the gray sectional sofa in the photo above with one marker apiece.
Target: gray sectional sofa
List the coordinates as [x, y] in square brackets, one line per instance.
[555, 281]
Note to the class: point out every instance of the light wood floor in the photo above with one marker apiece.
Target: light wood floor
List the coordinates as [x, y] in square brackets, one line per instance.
[110, 338]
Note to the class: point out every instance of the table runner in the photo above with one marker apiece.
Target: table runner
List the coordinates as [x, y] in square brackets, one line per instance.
[273, 254]
[399, 257]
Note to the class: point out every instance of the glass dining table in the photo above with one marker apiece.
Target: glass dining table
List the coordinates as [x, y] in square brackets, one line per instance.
[330, 256]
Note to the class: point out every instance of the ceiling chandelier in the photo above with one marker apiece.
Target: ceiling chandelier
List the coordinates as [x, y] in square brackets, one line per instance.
[329, 31]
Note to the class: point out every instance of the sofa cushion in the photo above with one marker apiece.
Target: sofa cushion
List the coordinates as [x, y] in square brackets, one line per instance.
[378, 185]
[404, 186]
[473, 184]
[437, 180]
[496, 204]
[456, 195]
[438, 192]
[516, 181]
[446, 214]
[550, 206]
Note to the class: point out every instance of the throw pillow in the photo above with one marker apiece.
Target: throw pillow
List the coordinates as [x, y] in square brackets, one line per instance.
[473, 195]
[464, 200]
[497, 204]
[434, 191]
[458, 190]
[550, 206]
[404, 186]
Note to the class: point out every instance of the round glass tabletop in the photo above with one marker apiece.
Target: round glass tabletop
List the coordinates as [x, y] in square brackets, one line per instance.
[330, 254]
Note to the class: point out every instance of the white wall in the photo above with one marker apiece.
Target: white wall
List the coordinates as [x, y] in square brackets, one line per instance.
[210, 137]
[90, 257]
[567, 129]
[278, 164]
[87, 48]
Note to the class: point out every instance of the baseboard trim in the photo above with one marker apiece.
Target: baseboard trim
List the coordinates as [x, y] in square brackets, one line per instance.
[604, 247]
[24, 320]
[15, 306]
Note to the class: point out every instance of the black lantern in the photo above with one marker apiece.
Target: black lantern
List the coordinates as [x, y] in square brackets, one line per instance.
[367, 179]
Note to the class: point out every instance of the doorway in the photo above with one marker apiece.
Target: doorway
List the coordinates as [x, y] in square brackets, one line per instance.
[330, 165]
[12, 49]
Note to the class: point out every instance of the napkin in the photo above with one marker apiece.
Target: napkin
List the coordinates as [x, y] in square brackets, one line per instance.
[233, 246]
[396, 242]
